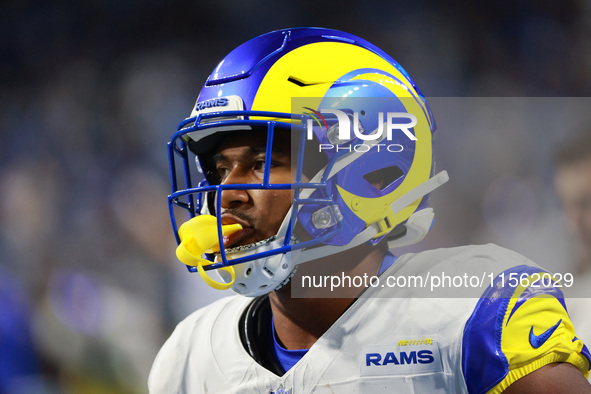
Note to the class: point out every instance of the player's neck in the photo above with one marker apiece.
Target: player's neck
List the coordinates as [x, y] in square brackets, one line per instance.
[299, 322]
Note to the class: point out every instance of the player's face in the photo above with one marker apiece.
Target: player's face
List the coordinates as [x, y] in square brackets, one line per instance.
[573, 184]
[241, 159]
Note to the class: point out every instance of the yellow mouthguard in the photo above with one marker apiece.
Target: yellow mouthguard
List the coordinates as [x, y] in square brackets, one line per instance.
[199, 235]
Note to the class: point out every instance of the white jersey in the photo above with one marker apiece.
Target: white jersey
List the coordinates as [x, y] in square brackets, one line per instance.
[391, 339]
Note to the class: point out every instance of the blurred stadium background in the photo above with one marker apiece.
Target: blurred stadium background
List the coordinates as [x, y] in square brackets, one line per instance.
[92, 90]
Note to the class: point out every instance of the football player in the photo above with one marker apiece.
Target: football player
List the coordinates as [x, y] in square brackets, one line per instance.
[315, 149]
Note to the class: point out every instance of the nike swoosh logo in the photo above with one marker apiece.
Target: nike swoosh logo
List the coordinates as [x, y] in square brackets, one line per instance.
[538, 340]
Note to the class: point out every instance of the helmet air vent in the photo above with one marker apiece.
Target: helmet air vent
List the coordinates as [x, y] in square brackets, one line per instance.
[384, 177]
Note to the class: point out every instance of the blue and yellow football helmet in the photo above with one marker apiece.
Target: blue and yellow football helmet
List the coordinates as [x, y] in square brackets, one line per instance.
[362, 163]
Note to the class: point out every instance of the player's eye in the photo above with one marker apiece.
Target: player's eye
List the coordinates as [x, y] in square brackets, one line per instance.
[222, 171]
[259, 165]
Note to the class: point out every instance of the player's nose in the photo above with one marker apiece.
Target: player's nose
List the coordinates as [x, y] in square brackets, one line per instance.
[236, 194]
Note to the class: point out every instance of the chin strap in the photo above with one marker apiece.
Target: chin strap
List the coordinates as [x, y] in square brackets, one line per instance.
[199, 235]
[420, 222]
[417, 225]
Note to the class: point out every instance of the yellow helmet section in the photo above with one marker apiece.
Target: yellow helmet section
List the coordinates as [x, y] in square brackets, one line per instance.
[315, 67]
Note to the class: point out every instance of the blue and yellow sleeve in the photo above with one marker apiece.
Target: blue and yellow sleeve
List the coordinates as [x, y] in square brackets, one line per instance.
[519, 325]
